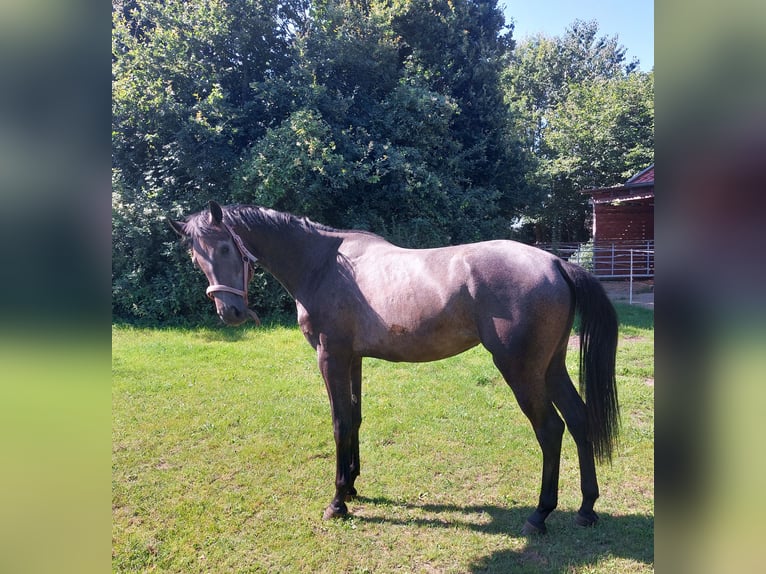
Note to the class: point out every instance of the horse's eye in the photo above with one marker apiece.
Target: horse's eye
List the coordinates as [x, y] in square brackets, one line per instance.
[225, 250]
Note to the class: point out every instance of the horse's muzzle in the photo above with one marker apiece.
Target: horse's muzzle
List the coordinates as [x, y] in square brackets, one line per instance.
[232, 315]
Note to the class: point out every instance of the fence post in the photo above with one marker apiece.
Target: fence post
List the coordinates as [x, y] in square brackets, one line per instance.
[647, 257]
[630, 297]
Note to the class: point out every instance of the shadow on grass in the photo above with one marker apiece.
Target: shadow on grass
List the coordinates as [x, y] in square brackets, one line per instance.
[224, 333]
[229, 334]
[564, 547]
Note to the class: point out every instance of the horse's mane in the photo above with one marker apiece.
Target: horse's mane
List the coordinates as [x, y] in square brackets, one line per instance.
[253, 217]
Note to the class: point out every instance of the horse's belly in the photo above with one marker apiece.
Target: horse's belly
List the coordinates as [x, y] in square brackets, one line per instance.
[418, 312]
[401, 343]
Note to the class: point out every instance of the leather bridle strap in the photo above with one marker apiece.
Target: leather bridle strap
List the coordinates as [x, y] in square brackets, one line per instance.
[248, 262]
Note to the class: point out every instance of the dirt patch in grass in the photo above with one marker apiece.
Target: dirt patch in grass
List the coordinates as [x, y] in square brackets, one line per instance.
[619, 291]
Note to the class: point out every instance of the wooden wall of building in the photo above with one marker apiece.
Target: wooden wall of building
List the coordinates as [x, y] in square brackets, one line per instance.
[627, 221]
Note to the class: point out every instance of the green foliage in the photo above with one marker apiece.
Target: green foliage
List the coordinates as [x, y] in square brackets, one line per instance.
[146, 287]
[293, 166]
[183, 109]
[583, 256]
[603, 132]
[389, 116]
[586, 117]
[381, 116]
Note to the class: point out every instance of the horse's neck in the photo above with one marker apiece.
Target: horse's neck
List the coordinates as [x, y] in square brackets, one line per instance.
[292, 255]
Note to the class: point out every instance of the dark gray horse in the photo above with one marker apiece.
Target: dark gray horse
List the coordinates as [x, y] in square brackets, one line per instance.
[360, 296]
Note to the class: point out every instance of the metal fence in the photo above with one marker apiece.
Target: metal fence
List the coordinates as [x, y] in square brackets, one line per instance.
[623, 260]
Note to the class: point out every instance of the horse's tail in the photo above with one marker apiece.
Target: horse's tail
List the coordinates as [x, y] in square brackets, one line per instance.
[598, 350]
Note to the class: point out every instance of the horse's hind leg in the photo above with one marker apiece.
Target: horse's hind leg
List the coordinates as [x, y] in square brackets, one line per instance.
[529, 389]
[572, 408]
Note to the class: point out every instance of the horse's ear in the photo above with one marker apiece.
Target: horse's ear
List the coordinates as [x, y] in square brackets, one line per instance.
[179, 227]
[216, 213]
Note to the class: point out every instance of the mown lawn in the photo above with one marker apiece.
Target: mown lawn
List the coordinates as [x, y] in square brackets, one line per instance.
[223, 461]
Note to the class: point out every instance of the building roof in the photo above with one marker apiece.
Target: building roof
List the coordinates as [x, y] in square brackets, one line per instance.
[638, 187]
[645, 177]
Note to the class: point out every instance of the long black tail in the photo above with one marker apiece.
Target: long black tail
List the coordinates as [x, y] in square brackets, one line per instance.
[598, 350]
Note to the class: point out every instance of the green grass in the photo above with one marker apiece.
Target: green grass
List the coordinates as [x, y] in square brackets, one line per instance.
[223, 461]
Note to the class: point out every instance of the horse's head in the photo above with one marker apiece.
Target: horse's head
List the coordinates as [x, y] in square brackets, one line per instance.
[215, 250]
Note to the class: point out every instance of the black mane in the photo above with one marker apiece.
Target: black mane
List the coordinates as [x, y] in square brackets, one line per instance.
[251, 216]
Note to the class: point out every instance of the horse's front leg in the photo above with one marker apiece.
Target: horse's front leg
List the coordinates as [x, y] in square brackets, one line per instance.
[356, 422]
[336, 371]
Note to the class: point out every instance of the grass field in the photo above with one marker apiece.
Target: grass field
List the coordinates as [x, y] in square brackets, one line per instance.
[223, 461]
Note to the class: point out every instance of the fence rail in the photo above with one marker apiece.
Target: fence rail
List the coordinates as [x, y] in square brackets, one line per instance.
[617, 260]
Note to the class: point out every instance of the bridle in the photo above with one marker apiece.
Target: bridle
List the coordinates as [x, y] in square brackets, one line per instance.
[248, 262]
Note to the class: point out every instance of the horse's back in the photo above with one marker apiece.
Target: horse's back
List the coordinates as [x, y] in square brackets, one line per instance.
[427, 304]
[517, 270]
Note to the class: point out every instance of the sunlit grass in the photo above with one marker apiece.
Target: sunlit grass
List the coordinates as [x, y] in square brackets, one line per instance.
[223, 460]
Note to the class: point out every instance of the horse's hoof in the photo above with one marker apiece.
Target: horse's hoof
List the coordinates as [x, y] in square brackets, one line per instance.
[335, 512]
[586, 520]
[531, 529]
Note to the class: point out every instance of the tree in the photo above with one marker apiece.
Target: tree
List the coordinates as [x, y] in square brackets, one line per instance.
[183, 108]
[399, 124]
[542, 71]
[585, 116]
[603, 133]
[359, 146]
[379, 115]
[459, 49]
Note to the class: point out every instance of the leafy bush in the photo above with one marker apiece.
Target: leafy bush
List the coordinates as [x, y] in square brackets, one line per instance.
[583, 256]
[359, 116]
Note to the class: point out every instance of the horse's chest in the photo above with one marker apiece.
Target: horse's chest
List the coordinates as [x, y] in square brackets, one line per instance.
[306, 326]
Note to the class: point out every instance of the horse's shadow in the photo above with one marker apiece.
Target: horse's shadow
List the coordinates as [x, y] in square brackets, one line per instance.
[565, 546]
[224, 334]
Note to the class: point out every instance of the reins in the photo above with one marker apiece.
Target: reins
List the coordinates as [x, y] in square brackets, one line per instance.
[248, 261]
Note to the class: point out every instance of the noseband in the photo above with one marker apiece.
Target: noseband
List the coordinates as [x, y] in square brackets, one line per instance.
[248, 261]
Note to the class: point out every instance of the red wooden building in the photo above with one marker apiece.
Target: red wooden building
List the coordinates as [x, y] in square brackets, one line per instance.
[623, 226]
